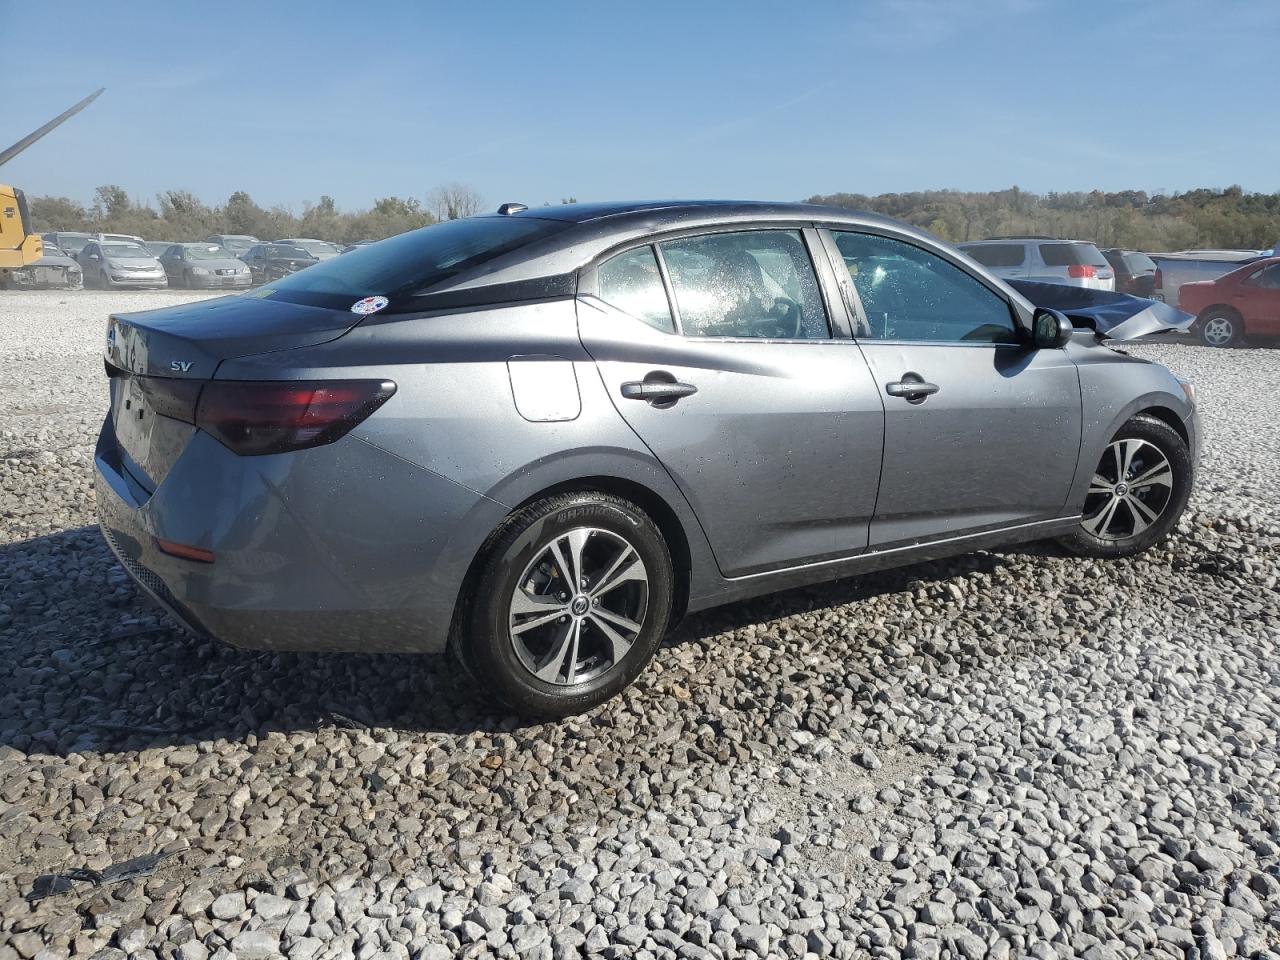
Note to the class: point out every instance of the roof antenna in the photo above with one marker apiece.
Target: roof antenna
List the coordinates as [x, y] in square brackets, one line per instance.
[507, 209]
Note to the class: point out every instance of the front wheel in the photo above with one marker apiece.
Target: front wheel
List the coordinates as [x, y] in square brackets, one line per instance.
[1138, 491]
[572, 601]
[1221, 328]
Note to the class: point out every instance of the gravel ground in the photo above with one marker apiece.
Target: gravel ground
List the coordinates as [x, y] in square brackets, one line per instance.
[1009, 754]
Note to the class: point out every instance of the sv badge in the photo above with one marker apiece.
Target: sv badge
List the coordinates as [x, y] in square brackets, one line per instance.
[180, 366]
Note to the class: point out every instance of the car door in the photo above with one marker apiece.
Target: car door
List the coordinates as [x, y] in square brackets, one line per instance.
[90, 260]
[1257, 297]
[718, 350]
[981, 431]
[171, 260]
[254, 260]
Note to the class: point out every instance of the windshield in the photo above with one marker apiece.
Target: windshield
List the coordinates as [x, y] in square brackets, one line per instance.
[288, 253]
[237, 244]
[71, 244]
[117, 250]
[1139, 263]
[206, 251]
[158, 247]
[421, 258]
[317, 248]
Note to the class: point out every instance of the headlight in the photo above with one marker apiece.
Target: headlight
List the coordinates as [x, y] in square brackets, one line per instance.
[200, 271]
[1188, 390]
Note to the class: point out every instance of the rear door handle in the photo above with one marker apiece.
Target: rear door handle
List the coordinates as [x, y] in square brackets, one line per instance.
[657, 391]
[912, 387]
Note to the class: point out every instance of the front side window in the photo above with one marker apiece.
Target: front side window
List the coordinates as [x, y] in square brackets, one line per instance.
[910, 294]
[757, 283]
[632, 282]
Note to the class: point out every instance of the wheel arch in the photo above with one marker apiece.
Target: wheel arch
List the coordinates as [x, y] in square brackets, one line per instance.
[667, 517]
[1169, 417]
[1218, 308]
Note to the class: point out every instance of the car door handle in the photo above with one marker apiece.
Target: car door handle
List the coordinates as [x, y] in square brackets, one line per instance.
[911, 388]
[657, 391]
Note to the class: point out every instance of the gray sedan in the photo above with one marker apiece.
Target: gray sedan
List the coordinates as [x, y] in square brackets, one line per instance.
[539, 438]
[204, 266]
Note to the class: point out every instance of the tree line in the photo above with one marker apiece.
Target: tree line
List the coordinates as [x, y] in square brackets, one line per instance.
[1133, 219]
[180, 215]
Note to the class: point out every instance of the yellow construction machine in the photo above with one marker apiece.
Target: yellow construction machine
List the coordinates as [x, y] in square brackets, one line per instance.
[19, 246]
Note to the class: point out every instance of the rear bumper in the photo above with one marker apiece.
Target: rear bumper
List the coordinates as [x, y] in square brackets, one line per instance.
[338, 548]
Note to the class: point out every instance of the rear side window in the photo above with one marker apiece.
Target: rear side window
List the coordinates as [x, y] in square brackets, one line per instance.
[910, 294]
[757, 283]
[632, 283]
[1071, 254]
[1268, 278]
[414, 261]
[997, 254]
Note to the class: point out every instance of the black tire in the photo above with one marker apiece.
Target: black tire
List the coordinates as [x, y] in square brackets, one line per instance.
[515, 556]
[1123, 538]
[1220, 327]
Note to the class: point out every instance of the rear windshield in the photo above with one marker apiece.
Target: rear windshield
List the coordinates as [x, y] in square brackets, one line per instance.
[413, 261]
[1139, 263]
[997, 254]
[1071, 254]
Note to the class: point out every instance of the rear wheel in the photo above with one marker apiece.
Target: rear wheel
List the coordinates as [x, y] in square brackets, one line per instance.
[572, 600]
[1138, 491]
[1221, 327]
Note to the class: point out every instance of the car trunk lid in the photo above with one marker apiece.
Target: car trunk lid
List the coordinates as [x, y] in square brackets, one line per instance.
[157, 360]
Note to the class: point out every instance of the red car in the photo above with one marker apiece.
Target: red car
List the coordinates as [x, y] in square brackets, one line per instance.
[1241, 303]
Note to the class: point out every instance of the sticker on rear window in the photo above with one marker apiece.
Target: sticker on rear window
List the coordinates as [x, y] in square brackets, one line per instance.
[369, 305]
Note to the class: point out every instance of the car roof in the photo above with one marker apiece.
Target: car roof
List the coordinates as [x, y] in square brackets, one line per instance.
[660, 213]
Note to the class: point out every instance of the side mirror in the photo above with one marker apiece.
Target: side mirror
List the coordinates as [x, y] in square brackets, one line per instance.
[1050, 329]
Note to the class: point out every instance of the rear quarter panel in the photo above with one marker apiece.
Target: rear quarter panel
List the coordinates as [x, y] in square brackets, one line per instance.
[454, 412]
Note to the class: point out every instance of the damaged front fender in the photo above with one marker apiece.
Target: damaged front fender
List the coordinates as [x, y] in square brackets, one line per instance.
[1114, 316]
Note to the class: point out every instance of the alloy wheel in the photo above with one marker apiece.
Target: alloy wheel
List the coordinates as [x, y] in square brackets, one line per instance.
[578, 606]
[1129, 491]
[1218, 331]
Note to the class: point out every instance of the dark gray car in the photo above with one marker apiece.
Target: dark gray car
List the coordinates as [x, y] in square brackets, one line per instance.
[540, 438]
[204, 266]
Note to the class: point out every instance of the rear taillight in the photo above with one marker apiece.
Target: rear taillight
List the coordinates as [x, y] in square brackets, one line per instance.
[1157, 280]
[1082, 270]
[255, 417]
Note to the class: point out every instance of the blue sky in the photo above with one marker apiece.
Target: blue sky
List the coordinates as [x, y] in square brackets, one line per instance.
[535, 101]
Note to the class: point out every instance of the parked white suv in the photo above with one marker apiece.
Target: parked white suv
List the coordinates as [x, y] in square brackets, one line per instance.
[1077, 263]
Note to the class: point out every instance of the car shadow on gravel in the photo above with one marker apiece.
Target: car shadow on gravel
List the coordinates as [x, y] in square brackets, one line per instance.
[89, 664]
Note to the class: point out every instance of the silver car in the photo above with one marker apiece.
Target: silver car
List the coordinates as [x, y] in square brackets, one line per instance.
[204, 266]
[120, 263]
[1076, 263]
[537, 439]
